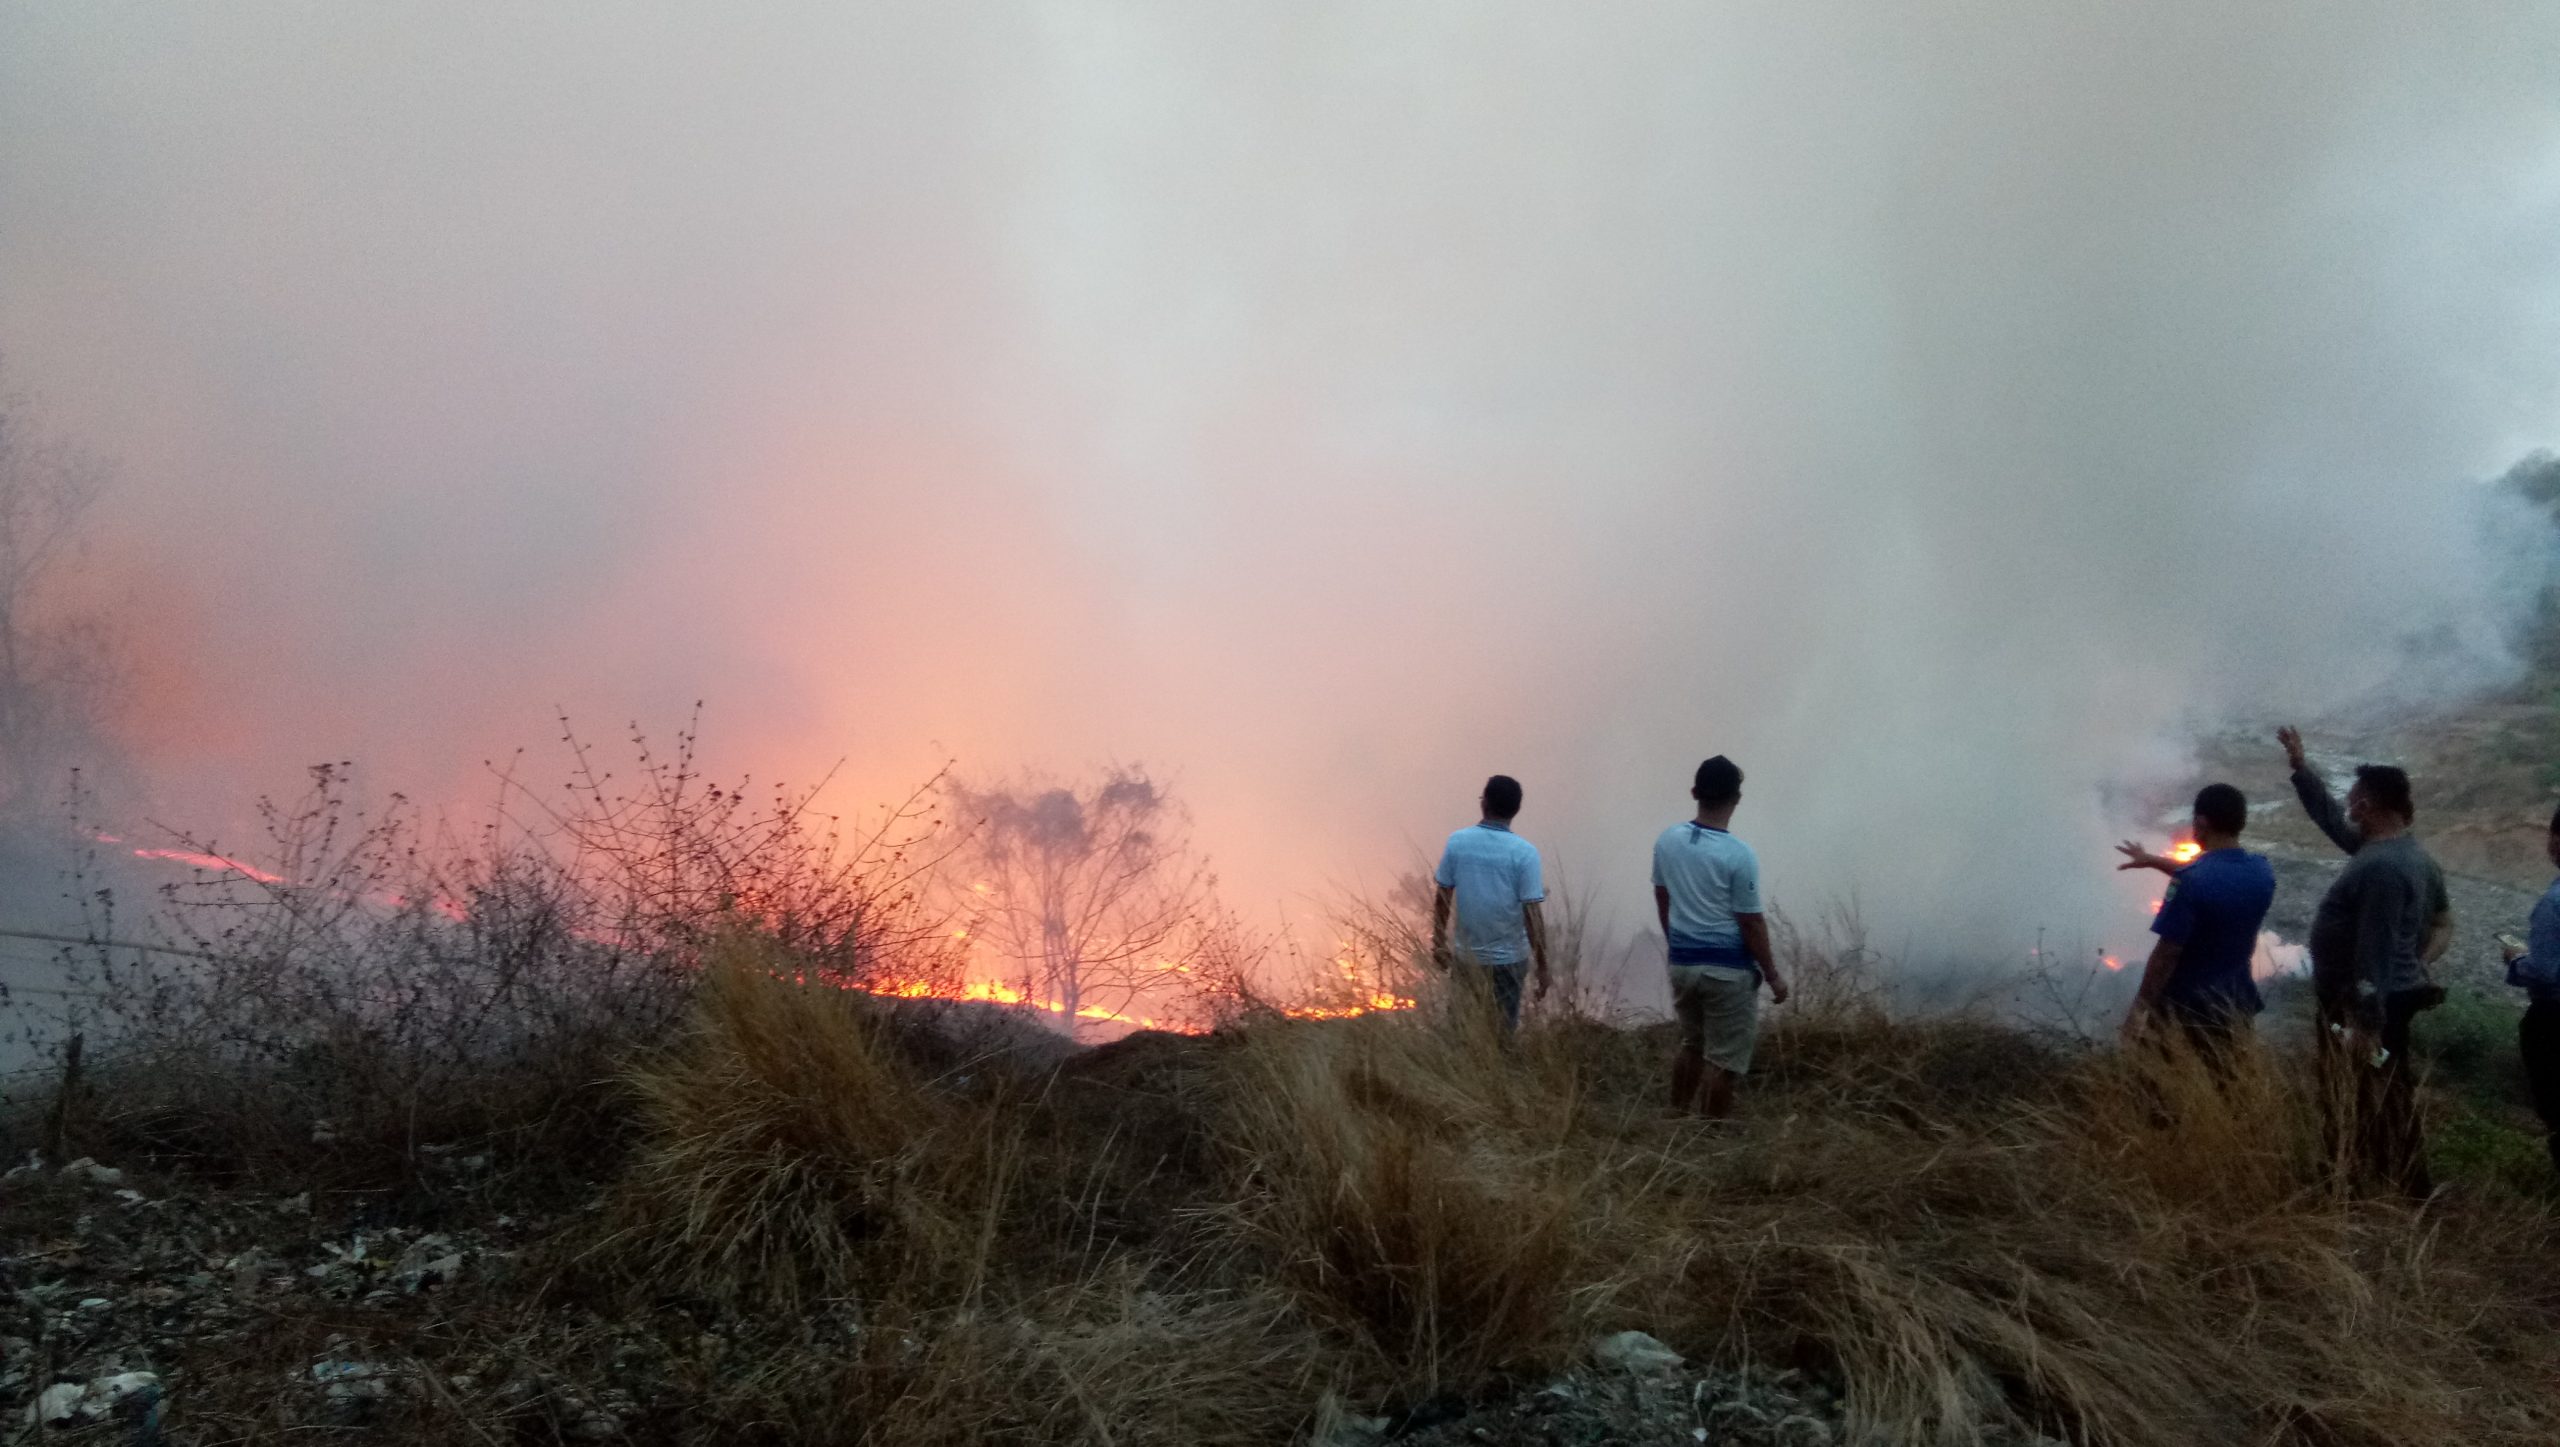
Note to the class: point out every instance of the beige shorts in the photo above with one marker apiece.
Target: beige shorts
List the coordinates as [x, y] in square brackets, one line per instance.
[1719, 1015]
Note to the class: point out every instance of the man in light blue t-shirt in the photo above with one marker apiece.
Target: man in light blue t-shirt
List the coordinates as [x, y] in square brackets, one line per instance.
[1490, 880]
[1706, 890]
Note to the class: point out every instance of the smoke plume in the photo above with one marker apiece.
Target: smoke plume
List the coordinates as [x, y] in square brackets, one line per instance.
[1941, 409]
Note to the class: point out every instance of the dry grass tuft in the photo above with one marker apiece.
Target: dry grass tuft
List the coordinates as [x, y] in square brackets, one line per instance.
[1415, 1183]
[792, 1153]
[1109, 1360]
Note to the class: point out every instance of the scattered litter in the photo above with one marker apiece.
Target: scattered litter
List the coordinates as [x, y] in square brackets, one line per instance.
[134, 1395]
[1635, 1353]
[351, 1383]
[59, 1402]
[85, 1169]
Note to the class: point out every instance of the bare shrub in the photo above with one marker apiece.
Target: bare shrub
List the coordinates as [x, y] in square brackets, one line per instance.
[365, 983]
[61, 669]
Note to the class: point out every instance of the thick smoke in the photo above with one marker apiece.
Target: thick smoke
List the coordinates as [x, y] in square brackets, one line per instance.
[1941, 409]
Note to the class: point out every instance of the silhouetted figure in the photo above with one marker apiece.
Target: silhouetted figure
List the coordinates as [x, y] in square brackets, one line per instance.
[1490, 879]
[2198, 979]
[1706, 891]
[2383, 920]
[2536, 968]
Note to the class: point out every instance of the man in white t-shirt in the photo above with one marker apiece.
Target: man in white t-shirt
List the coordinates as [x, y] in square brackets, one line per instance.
[1706, 889]
[1490, 880]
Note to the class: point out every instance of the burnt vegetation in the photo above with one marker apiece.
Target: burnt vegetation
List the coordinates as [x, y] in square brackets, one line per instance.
[574, 1131]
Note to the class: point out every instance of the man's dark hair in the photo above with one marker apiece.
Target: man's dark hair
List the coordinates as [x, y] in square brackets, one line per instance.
[1501, 797]
[1719, 782]
[2223, 807]
[2388, 788]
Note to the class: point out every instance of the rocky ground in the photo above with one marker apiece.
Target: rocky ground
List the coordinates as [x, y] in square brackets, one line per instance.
[139, 1317]
[118, 1301]
[123, 1304]
[1632, 1392]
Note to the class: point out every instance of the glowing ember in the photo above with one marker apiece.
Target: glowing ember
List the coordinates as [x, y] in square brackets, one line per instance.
[2111, 962]
[2185, 851]
[990, 992]
[213, 863]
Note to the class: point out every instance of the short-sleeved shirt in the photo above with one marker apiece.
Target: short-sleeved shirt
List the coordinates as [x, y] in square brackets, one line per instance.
[1493, 873]
[2213, 912]
[1714, 880]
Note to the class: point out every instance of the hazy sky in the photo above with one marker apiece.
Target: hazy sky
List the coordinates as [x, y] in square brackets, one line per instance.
[1937, 408]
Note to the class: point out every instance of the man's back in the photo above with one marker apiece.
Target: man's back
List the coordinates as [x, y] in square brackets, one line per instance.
[2214, 910]
[2372, 924]
[1492, 872]
[1712, 878]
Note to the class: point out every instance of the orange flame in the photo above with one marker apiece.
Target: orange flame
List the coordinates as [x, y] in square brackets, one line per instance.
[213, 863]
[990, 992]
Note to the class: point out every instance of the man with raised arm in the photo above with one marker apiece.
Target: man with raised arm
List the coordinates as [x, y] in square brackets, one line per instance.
[1490, 881]
[2198, 979]
[1706, 892]
[2384, 919]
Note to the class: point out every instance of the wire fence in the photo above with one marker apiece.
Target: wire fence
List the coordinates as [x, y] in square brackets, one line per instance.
[32, 965]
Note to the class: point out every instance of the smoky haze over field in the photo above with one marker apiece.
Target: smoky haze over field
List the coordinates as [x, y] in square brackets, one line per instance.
[1940, 412]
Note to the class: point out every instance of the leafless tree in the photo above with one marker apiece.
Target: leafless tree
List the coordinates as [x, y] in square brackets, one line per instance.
[1089, 895]
[59, 670]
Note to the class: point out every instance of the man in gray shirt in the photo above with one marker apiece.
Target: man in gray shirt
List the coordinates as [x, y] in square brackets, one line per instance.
[2383, 921]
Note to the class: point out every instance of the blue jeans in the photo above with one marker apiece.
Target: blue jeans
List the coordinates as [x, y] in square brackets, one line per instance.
[1506, 981]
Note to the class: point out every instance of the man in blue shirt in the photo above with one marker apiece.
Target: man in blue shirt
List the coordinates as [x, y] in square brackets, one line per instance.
[1706, 892]
[1490, 880]
[2536, 967]
[2198, 977]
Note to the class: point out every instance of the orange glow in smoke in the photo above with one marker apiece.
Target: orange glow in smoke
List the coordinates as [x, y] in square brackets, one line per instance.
[2185, 851]
[212, 863]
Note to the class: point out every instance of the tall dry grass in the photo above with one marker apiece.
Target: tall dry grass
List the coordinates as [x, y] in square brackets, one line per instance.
[789, 1155]
[1974, 1231]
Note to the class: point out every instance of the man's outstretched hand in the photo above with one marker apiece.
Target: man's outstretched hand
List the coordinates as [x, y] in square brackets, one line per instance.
[2291, 738]
[2137, 857]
